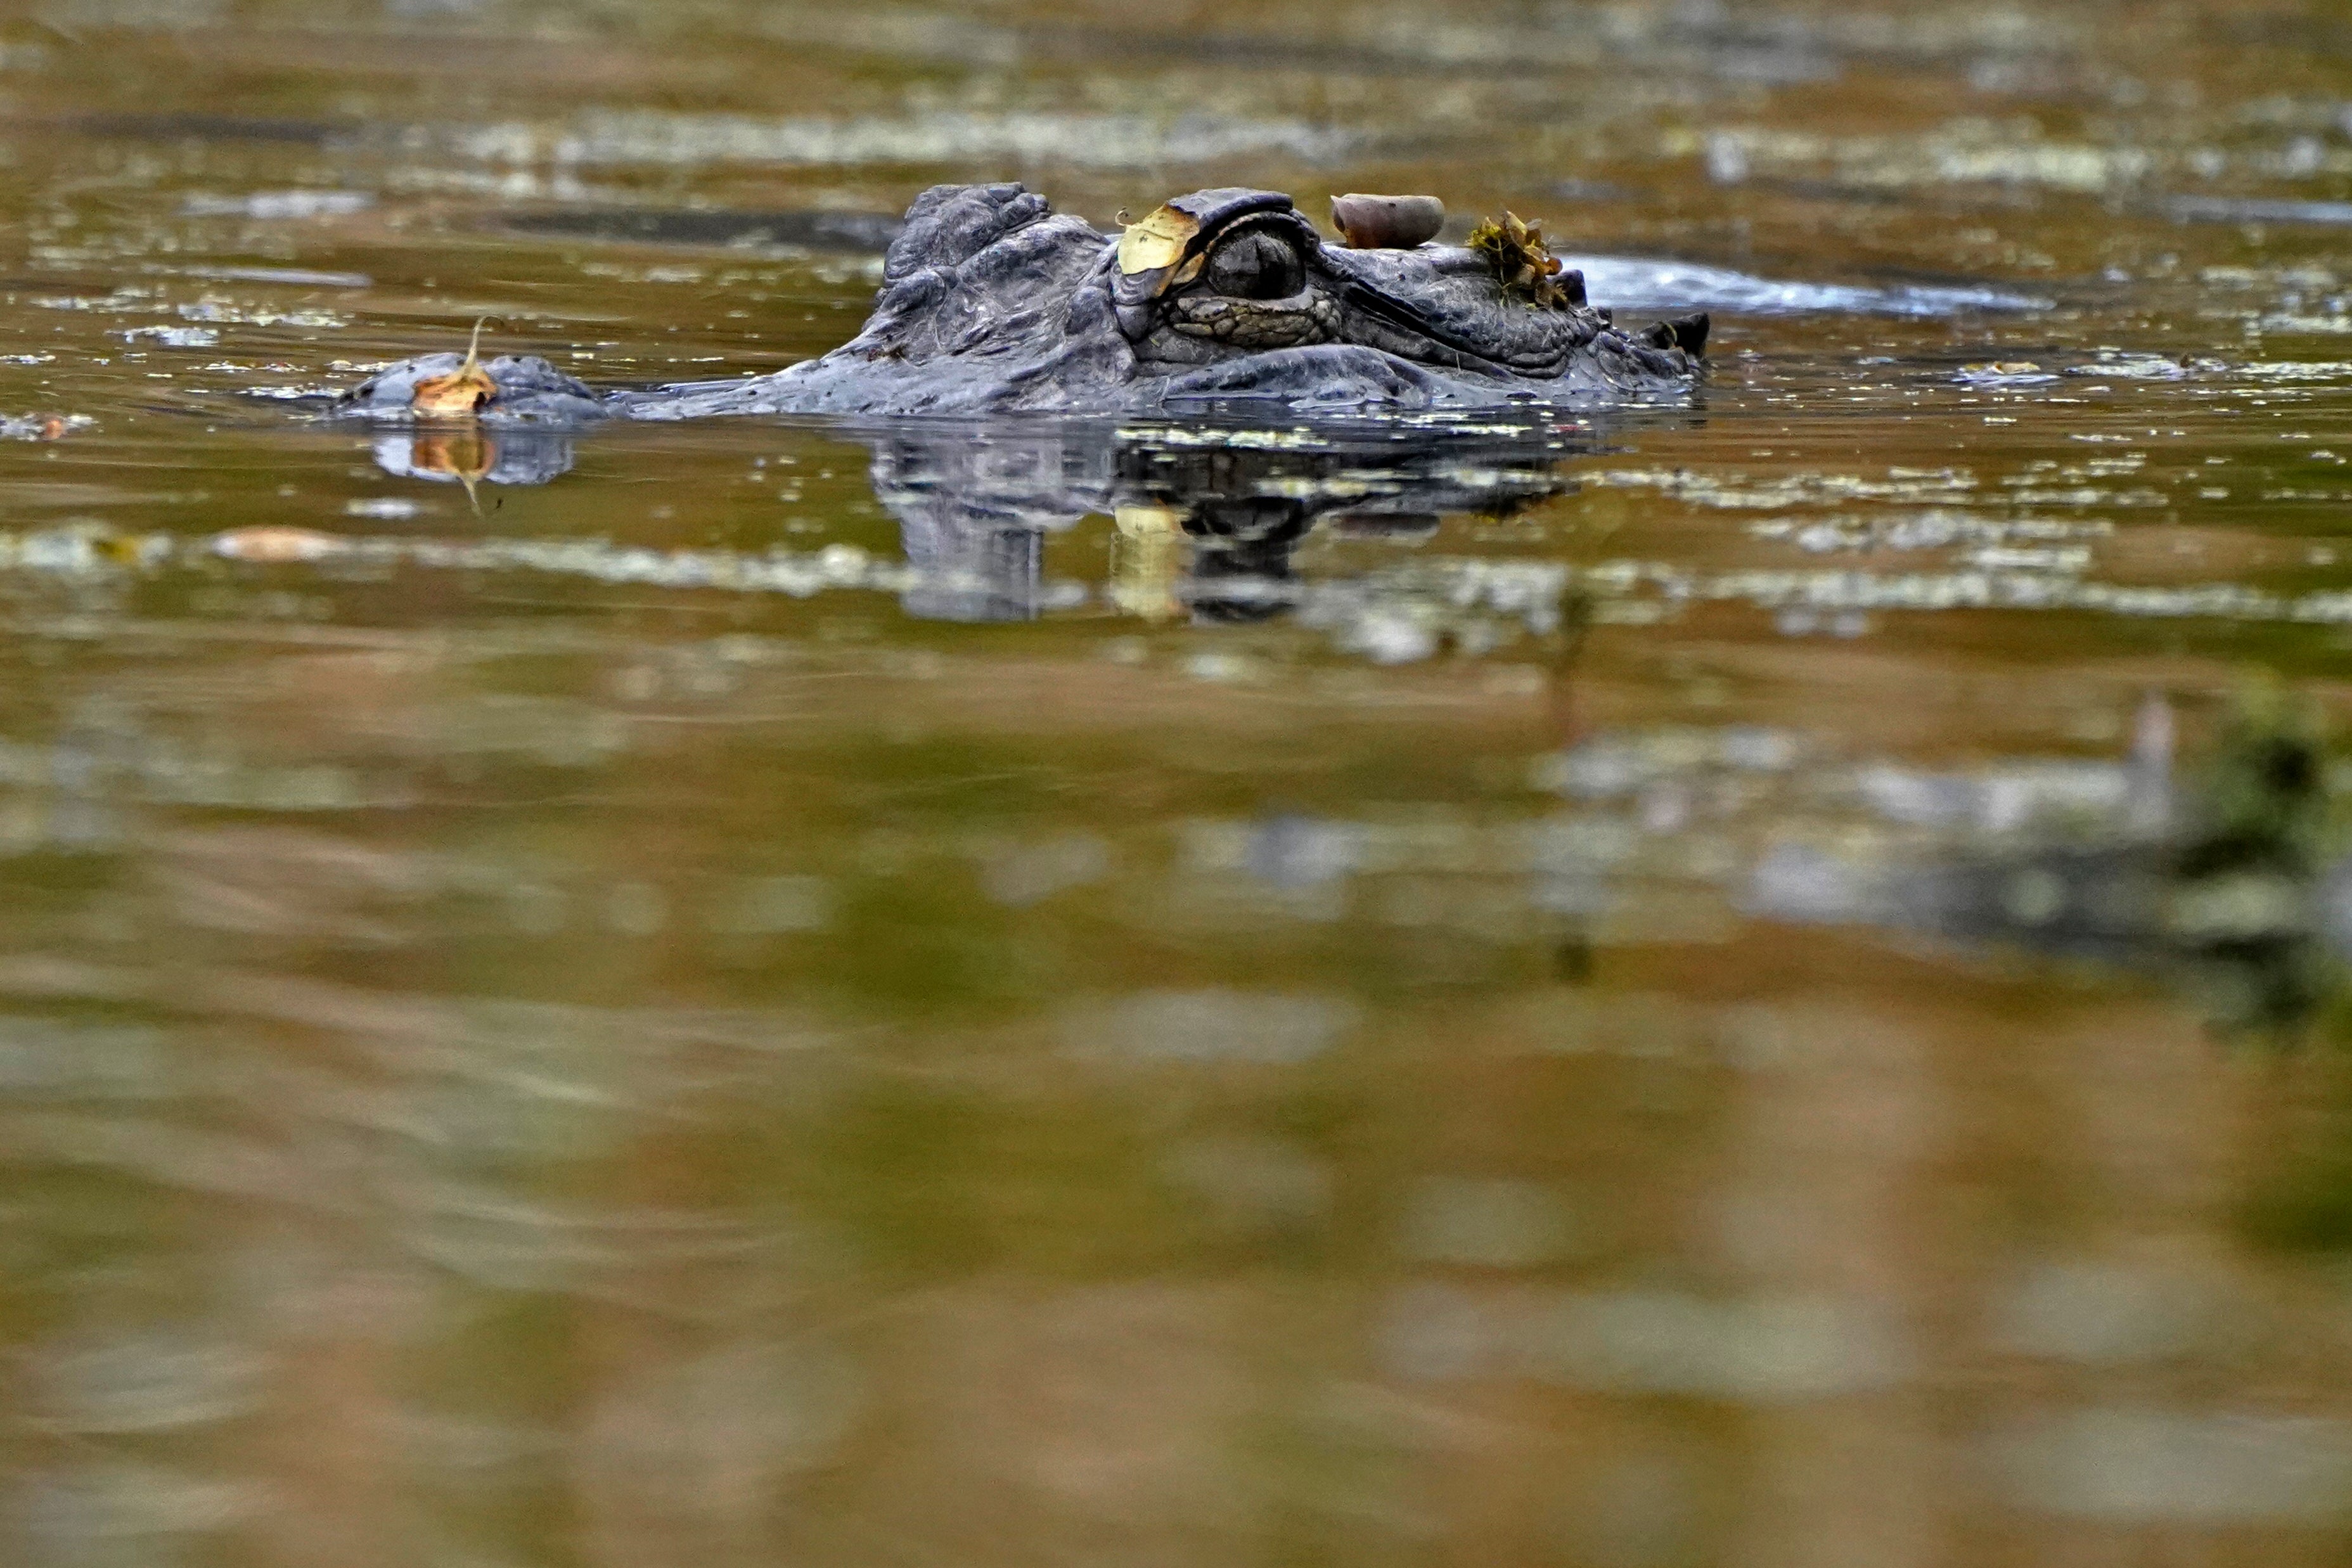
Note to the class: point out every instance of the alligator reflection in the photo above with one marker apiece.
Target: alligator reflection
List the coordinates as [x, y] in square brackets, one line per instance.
[1208, 520]
[469, 455]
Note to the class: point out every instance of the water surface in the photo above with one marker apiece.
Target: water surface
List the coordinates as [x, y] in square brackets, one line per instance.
[1617, 988]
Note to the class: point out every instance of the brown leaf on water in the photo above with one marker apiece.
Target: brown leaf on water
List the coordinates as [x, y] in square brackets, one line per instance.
[276, 546]
[1523, 264]
[464, 391]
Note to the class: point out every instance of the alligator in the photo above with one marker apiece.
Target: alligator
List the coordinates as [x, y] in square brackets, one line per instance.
[992, 302]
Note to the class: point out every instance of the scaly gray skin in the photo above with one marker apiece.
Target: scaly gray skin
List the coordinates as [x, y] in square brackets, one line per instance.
[993, 303]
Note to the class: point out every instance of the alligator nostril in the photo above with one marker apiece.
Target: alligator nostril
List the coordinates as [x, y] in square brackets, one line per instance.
[1688, 333]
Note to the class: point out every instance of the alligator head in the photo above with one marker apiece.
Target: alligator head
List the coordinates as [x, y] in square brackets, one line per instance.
[993, 302]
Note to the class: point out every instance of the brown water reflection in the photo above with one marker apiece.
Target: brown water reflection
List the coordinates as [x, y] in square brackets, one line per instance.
[1709, 984]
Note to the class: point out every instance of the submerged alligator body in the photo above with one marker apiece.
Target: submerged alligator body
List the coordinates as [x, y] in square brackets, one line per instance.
[992, 303]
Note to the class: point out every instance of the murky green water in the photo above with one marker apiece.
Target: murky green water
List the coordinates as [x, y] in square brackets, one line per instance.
[1664, 987]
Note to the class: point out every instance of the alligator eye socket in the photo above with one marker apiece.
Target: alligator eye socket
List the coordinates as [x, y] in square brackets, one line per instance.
[1255, 265]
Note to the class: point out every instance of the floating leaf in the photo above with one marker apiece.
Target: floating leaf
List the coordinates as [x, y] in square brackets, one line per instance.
[463, 391]
[1523, 264]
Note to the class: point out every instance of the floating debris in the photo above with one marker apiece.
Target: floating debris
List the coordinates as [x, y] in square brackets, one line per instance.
[220, 312]
[175, 337]
[121, 299]
[2005, 372]
[43, 426]
[2291, 370]
[280, 205]
[2142, 367]
[277, 545]
[1523, 263]
[1299, 438]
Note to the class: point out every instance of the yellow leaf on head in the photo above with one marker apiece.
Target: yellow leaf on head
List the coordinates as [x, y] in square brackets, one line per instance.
[1156, 242]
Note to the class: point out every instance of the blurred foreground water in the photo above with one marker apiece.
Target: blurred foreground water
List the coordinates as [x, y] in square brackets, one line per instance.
[1755, 982]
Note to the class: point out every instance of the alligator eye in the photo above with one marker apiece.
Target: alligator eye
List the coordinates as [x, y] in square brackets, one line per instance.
[1255, 265]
